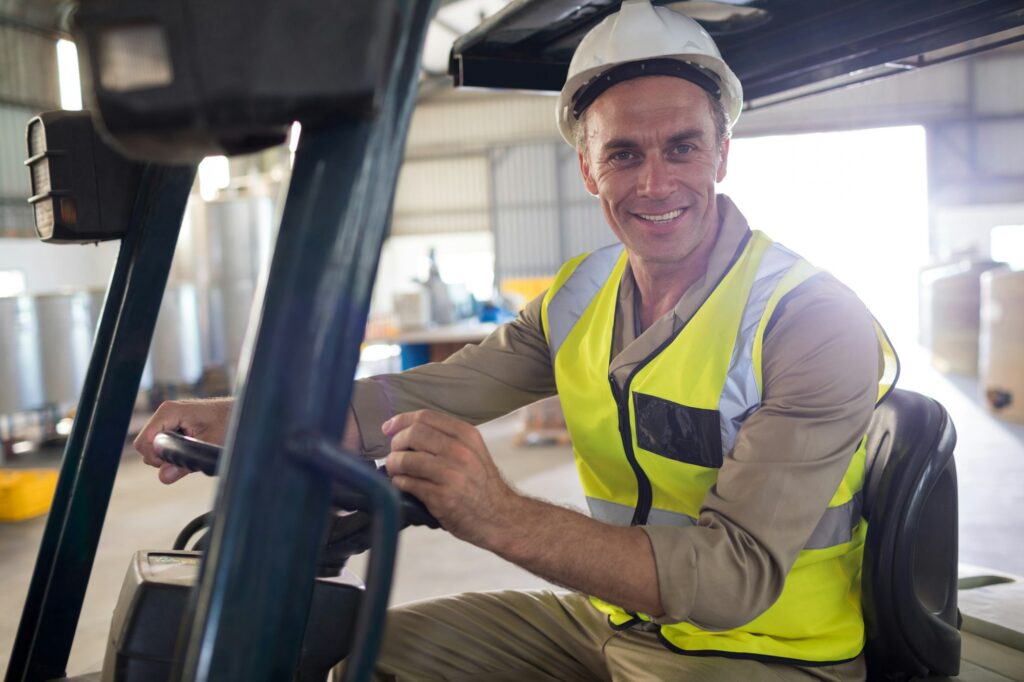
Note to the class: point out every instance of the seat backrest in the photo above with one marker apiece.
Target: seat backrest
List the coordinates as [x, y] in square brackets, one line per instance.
[910, 555]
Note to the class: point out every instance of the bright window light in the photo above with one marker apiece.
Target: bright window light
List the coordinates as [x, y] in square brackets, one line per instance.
[854, 203]
[293, 136]
[1008, 245]
[67, 74]
[214, 175]
[293, 142]
[12, 283]
[379, 351]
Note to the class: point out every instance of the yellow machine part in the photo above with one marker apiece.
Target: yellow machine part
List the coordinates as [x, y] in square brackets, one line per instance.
[25, 493]
[528, 288]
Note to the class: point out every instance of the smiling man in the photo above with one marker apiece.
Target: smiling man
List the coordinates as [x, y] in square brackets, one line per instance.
[716, 386]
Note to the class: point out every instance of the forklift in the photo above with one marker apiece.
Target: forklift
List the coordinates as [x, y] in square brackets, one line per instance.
[258, 596]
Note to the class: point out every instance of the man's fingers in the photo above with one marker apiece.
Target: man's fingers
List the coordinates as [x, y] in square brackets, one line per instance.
[425, 491]
[425, 438]
[166, 418]
[420, 465]
[170, 473]
[450, 426]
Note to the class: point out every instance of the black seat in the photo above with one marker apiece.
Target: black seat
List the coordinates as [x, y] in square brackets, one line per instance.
[910, 558]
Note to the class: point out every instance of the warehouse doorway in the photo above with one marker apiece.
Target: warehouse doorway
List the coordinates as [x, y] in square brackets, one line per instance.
[853, 202]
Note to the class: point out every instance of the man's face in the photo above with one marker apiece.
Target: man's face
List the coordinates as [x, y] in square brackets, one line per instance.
[652, 159]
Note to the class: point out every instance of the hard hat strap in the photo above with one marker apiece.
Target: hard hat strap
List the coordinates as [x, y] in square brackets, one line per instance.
[592, 89]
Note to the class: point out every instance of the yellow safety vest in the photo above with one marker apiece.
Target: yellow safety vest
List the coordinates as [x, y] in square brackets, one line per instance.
[648, 454]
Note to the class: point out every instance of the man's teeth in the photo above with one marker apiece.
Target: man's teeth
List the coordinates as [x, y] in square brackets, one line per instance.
[671, 215]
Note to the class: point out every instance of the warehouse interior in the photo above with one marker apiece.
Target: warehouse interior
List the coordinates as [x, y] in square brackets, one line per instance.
[909, 188]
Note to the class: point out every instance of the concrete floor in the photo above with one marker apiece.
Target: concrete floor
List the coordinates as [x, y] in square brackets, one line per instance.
[146, 514]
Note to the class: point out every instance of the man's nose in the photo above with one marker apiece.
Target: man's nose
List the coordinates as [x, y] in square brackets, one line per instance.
[655, 180]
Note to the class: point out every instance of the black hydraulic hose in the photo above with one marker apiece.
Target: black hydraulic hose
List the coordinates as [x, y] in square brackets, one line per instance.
[193, 527]
[384, 528]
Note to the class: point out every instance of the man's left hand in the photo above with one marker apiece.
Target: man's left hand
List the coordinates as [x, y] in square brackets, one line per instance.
[443, 461]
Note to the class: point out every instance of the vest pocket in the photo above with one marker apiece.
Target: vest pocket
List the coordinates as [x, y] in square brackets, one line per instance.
[685, 434]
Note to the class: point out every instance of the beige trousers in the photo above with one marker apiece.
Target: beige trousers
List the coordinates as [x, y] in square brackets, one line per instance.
[541, 635]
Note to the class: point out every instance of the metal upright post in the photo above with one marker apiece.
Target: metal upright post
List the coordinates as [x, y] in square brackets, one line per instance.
[257, 577]
[93, 451]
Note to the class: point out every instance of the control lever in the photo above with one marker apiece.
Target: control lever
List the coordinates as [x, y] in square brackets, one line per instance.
[187, 452]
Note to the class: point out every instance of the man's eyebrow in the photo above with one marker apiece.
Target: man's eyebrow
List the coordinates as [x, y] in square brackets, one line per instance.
[619, 143]
[686, 136]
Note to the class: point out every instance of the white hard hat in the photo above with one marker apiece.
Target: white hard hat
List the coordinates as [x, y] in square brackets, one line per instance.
[642, 40]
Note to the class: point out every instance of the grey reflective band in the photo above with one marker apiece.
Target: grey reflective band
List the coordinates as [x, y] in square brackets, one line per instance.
[835, 527]
[741, 394]
[622, 515]
[837, 524]
[572, 299]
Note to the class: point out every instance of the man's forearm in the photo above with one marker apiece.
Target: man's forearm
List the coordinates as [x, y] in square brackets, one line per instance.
[444, 462]
[613, 563]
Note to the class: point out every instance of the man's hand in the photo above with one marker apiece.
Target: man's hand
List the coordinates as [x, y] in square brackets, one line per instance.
[203, 419]
[443, 461]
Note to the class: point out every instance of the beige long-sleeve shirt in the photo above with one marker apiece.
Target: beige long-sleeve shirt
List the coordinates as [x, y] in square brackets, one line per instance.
[820, 366]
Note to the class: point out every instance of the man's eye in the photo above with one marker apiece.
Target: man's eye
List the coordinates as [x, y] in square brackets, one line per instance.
[622, 156]
[682, 149]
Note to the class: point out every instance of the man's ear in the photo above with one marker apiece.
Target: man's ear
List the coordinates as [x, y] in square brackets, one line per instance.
[588, 179]
[723, 164]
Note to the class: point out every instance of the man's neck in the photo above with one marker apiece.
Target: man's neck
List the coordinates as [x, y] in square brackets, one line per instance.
[661, 285]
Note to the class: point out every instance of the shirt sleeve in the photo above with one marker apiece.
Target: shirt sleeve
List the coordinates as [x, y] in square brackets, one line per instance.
[821, 363]
[507, 370]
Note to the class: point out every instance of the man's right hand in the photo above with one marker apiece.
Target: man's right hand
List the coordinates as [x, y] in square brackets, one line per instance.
[203, 419]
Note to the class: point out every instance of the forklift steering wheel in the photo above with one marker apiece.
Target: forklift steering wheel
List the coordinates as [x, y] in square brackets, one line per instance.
[196, 455]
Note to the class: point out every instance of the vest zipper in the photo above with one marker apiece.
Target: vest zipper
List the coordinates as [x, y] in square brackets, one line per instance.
[643, 484]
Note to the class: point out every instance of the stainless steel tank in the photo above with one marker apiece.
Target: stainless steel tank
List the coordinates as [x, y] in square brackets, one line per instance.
[21, 371]
[240, 239]
[66, 329]
[177, 352]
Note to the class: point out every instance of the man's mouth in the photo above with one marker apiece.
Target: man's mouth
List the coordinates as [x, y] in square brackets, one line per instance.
[661, 217]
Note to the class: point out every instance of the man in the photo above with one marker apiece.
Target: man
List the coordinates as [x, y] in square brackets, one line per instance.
[716, 388]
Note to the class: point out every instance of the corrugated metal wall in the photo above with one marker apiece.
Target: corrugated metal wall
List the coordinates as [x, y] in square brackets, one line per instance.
[530, 196]
[28, 85]
[542, 214]
[28, 68]
[448, 194]
[15, 213]
[462, 120]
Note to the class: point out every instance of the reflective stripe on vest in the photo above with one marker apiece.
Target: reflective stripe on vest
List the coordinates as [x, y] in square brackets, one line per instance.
[741, 394]
[573, 297]
[836, 526]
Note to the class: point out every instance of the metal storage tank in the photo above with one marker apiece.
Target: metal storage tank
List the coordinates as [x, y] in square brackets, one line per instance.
[66, 330]
[176, 353]
[21, 371]
[231, 307]
[950, 302]
[1001, 352]
[239, 238]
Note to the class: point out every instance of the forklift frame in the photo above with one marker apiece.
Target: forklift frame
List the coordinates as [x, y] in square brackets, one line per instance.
[295, 383]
